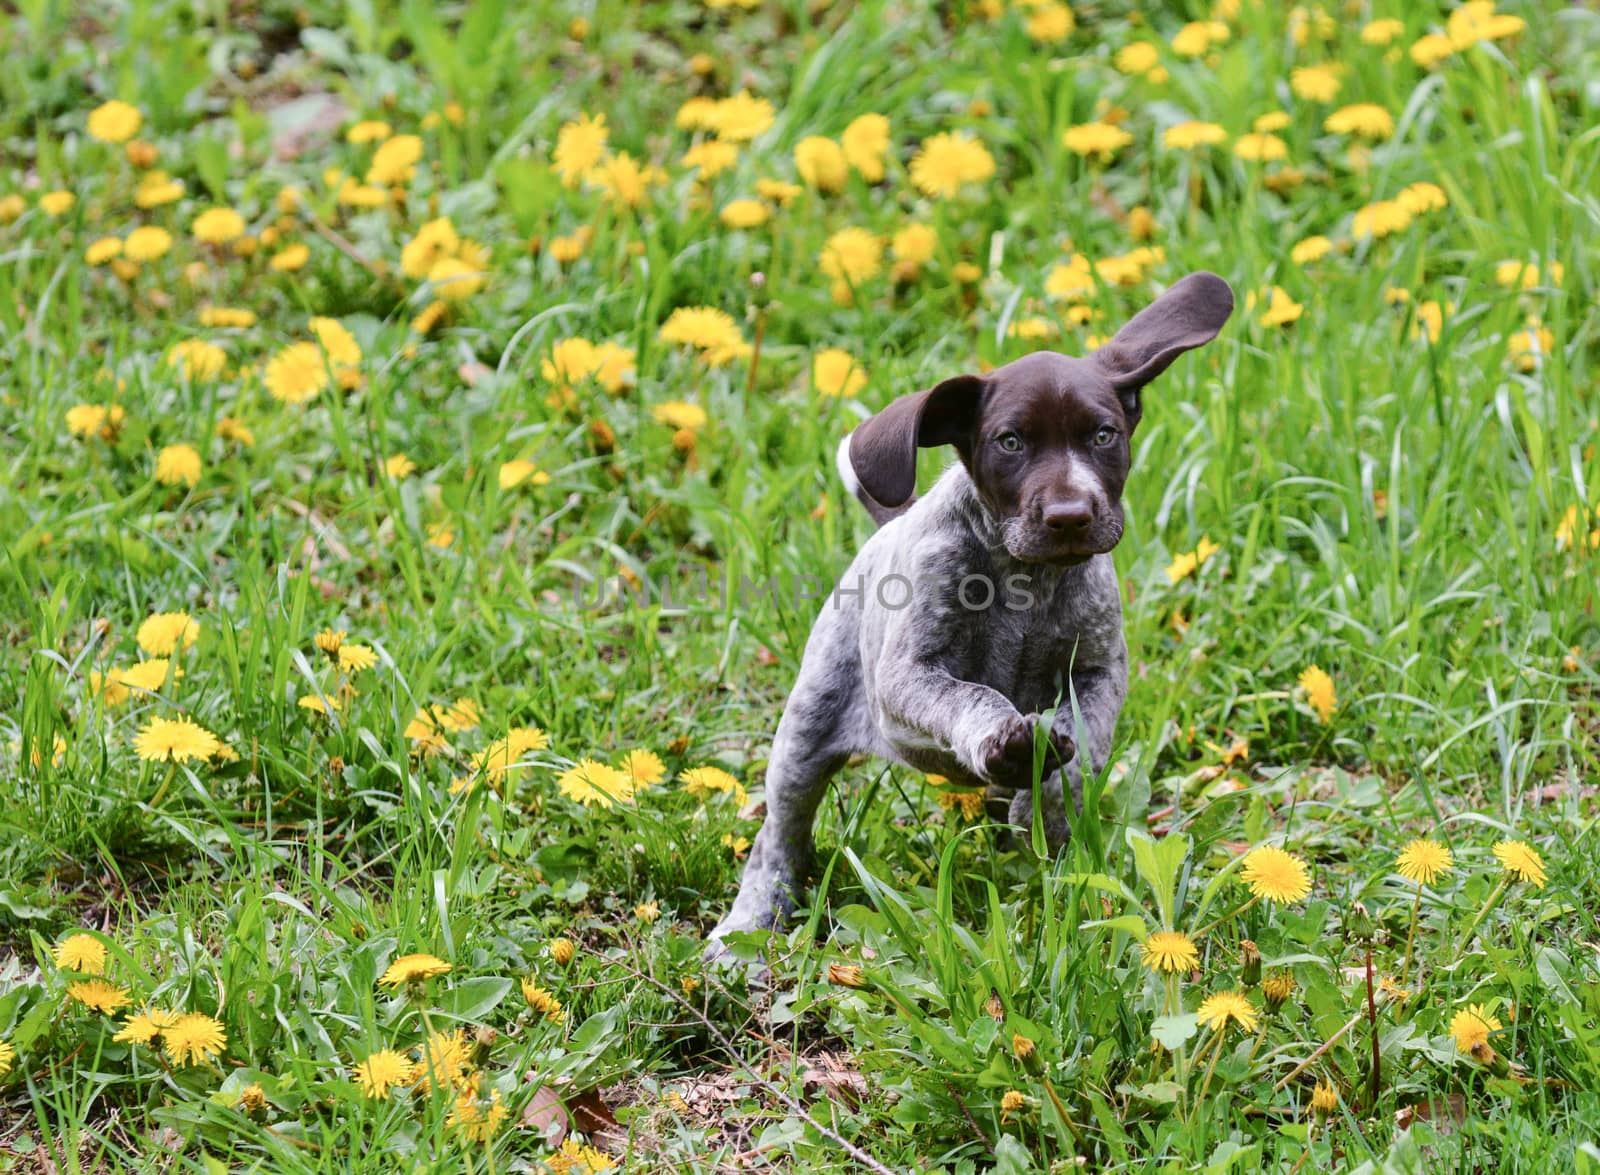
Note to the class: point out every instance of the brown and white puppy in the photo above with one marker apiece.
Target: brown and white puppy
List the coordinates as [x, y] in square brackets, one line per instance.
[980, 605]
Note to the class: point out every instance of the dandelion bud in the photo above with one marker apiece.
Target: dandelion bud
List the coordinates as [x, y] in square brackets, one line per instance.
[1012, 1102]
[1250, 965]
[846, 975]
[562, 950]
[996, 1009]
[1027, 1052]
[1324, 1099]
[690, 985]
[252, 1099]
[602, 437]
[1359, 925]
[1491, 1060]
[140, 153]
[483, 1038]
[329, 641]
[1277, 989]
[679, 745]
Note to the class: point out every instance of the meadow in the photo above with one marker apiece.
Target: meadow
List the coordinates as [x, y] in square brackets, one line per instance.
[417, 425]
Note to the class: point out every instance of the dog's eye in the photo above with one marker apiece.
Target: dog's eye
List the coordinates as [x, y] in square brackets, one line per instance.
[1010, 442]
[1105, 436]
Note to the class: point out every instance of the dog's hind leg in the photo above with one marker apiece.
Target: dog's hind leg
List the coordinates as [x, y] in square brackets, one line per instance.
[812, 743]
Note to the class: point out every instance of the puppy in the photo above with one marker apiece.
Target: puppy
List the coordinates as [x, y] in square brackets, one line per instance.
[978, 606]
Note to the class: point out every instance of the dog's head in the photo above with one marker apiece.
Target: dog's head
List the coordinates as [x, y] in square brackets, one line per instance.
[1045, 438]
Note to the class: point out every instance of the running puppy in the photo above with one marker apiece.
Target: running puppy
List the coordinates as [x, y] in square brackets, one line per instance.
[978, 606]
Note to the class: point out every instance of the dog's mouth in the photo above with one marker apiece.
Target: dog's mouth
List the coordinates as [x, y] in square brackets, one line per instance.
[1029, 546]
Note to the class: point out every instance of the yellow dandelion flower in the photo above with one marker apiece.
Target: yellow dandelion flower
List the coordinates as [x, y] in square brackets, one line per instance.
[1170, 950]
[1422, 197]
[1050, 22]
[1217, 1011]
[1319, 691]
[706, 328]
[104, 250]
[821, 163]
[8, 1057]
[413, 969]
[1424, 861]
[99, 996]
[197, 359]
[1381, 32]
[1324, 1097]
[647, 912]
[82, 953]
[296, 373]
[1100, 139]
[192, 1037]
[1380, 219]
[1311, 249]
[1316, 83]
[1137, 59]
[114, 122]
[1275, 875]
[370, 130]
[55, 204]
[1476, 20]
[624, 181]
[744, 214]
[178, 464]
[591, 782]
[740, 118]
[702, 782]
[1472, 1025]
[542, 1001]
[445, 1060]
[147, 243]
[226, 317]
[160, 634]
[580, 146]
[434, 241]
[1280, 308]
[395, 161]
[476, 1117]
[1186, 136]
[835, 372]
[1260, 147]
[711, 158]
[946, 163]
[514, 473]
[865, 142]
[506, 753]
[143, 1027]
[851, 255]
[1521, 861]
[1365, 120]
[383, 1071]
[780, 192]
[217, 226]
[644, 769]
[175, 740]
[455, 279]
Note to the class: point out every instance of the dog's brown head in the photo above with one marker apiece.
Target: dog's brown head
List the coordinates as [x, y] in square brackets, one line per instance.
[1045, 438]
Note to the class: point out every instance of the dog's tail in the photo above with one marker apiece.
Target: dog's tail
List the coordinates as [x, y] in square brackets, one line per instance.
[847, 474]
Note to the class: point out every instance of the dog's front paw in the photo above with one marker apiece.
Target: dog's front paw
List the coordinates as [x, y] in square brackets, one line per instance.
[1005, 756]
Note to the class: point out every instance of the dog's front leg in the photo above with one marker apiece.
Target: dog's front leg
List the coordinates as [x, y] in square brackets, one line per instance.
[921, 706]
[1084, 722]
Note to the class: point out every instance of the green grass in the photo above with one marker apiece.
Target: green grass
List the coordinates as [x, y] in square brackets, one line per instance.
[1386, 509]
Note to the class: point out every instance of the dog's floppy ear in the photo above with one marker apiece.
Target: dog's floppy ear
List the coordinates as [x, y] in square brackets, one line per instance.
[1186, 316]
[883, 450]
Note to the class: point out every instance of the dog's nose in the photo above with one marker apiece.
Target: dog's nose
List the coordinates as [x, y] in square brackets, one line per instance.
[1072, 514]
